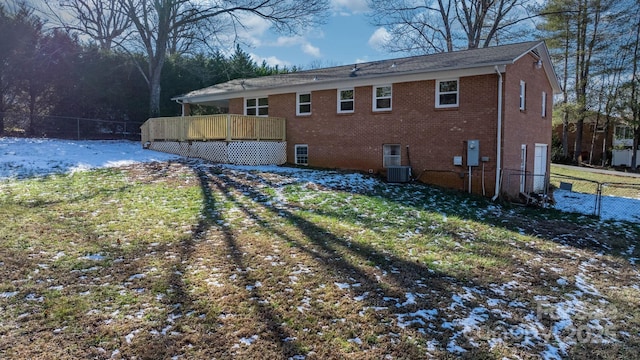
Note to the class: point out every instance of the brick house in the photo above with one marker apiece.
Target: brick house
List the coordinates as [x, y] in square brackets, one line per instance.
[605, 139]
[477, 120]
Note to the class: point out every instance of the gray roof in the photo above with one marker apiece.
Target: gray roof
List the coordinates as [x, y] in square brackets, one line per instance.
[465, 59]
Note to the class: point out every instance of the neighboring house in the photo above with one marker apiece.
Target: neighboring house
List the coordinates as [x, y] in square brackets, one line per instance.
[476, 119]
[622, 153]
[617, 136]
[611, 140]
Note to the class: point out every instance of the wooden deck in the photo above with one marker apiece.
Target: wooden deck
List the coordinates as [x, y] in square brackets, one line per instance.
[226, 127]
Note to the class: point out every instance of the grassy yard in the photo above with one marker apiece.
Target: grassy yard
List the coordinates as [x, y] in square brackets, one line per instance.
[185, 260]
[587, 182]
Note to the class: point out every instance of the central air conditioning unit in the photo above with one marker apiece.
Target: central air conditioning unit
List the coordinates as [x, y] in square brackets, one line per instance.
[398, 174]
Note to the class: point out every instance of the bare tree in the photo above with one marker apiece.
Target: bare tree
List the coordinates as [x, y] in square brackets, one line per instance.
[157, 23]
[426, 26]
[629, 96]
[101, 20]
[610, 80]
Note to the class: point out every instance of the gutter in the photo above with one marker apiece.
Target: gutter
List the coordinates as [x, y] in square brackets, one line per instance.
[498, 137]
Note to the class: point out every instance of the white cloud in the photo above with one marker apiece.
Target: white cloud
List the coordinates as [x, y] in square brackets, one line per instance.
[379, 39]
[311, 50]
[305, 45]
[344, 7]
[253, 29]
[287, 41]
[270, 60]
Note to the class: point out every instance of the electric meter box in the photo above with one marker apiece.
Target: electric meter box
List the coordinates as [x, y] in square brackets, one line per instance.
[473, 152]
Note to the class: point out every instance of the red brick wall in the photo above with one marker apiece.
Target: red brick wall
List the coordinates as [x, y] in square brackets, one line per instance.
[236, 106]
[524, 127]
[433, 136]
[587, 137]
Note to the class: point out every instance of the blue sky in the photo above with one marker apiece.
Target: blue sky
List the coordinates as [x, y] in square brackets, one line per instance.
[346, 38]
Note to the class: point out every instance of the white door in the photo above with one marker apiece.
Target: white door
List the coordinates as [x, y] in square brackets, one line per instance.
[540, 167]
[523, 167]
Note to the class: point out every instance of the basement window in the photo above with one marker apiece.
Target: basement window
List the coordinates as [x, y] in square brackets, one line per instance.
[302, 154]
[391, 155]
[256, 107]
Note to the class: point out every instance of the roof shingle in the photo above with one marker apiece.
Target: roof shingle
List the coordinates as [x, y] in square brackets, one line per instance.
[464, 59]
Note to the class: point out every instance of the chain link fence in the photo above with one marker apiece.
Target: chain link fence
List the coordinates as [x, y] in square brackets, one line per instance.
[606, 200]
[532, 188]
[22, 125]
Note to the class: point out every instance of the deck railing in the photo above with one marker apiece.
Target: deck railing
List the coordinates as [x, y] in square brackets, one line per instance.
[226, 127]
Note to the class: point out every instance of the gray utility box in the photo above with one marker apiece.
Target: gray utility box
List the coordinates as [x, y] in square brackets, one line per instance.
[473, 152]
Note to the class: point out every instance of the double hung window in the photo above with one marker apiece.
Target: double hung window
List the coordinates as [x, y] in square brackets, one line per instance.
[447, 93]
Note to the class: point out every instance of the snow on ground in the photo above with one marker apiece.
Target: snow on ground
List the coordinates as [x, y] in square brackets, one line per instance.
[613, 208]
[330, 179]
[472, 314]
[20, 158]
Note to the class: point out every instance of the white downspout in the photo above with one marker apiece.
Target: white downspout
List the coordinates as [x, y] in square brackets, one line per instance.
[181, 105]
[498, 137]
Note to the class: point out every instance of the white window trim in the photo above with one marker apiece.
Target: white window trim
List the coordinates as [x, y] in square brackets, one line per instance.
[376, 98]
[523, 93]
[298, 103]
[438, 93]
[295, 154]
[544, 104]
[257, 107]
[340, 101]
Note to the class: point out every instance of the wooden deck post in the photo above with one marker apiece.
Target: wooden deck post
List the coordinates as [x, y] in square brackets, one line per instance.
[228, 127]
[284, 130]
[257, 129]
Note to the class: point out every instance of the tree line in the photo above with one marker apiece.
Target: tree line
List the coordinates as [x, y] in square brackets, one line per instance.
[110, 59]
[595, 45]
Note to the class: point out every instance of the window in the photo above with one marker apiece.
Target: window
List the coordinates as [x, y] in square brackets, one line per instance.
[382, 98]
[599, 128]
[346, 101]
[522, 95]
[544, 104]
[256, 106]
[302, 154]
[446, 93]
[623, 136]
[390, 155]
[303, 106]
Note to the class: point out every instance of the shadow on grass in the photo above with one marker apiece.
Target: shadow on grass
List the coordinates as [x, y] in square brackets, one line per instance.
[270, 322]
[346, 261]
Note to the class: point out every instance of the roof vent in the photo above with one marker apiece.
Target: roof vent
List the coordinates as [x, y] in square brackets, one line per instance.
[354, 71]
[394, 65]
